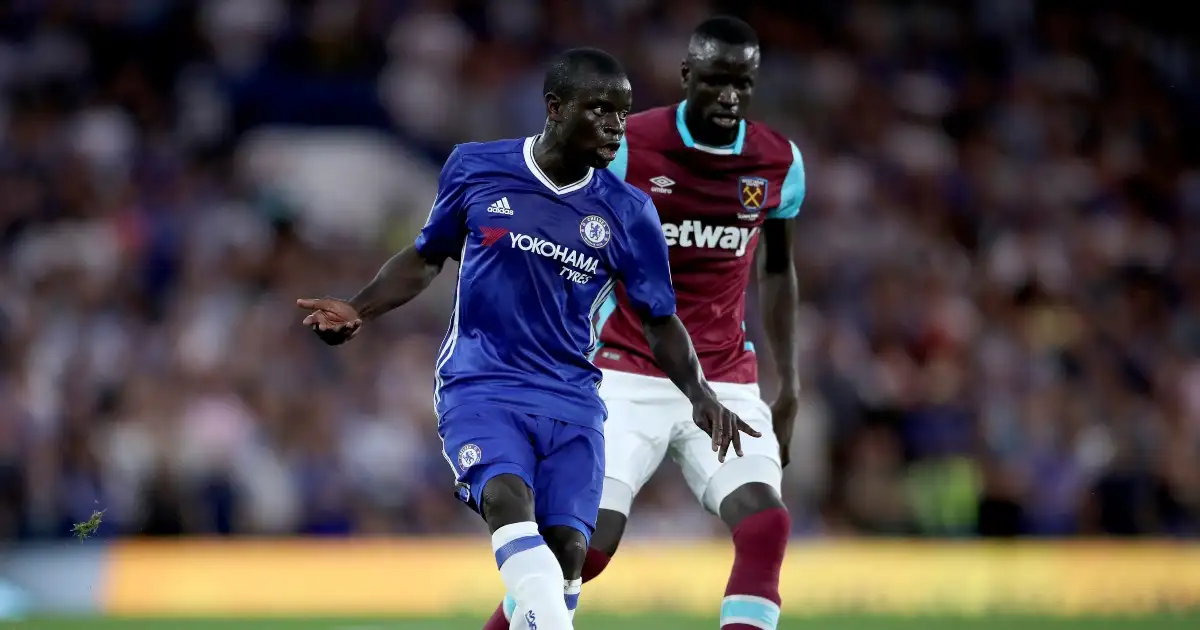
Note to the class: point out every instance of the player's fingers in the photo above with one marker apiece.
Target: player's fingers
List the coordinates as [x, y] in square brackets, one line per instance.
[311, 304]
[726, 439]
[747, 429]
[318, 317]
[716, 434]
[320, 322]
[736, 435]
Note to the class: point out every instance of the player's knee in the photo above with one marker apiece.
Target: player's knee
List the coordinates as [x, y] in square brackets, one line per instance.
[751, 499]
[506, 500]
[569, 546]
[610, 527]
[766, 525]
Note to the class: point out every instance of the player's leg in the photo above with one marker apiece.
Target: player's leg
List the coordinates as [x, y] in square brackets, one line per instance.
[760, 525]
[570, 547]
[610, 527]
[745, 493]
[494, 463]
[641, 413]
[567, 493]
[636, 435]
[567, 483]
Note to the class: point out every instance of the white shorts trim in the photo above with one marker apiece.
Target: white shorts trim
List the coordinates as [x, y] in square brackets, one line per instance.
[649, 418]
[617, 496]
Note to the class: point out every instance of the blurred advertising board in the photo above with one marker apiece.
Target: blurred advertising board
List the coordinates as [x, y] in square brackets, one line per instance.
[403, 577]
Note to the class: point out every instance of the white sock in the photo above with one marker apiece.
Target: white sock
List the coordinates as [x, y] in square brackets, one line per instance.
[571, 589]
[532, 576]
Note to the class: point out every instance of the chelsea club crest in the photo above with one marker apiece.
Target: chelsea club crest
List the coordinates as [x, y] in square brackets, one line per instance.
[468, 456]
[594, 231]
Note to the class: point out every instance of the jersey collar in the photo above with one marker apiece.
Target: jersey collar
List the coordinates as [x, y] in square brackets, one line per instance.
[533, 167]
[688, 141]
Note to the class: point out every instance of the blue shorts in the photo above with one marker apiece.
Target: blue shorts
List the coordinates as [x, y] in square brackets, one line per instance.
[562, 463]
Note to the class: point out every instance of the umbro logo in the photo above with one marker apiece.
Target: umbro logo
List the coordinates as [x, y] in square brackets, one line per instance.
[661, 184]
[500, 207]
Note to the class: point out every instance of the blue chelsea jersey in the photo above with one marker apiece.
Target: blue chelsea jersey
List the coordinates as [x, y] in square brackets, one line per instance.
[537, 262]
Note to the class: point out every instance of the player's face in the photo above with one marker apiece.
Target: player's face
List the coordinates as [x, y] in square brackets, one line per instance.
[594, 120]
[719, 82]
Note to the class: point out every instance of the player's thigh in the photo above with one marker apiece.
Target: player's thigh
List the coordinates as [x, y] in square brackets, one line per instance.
[481, 442]
[711, 480]
[636, 434]
[569, 475]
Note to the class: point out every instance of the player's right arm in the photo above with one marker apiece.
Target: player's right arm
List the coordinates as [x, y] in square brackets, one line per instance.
[646, 273]
[405, 275]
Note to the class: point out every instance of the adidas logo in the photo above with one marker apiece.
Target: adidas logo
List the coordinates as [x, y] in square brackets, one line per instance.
[500, 207]
[661, 184]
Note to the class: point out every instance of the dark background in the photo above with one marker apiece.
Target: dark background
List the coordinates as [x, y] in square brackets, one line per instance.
[998, 257]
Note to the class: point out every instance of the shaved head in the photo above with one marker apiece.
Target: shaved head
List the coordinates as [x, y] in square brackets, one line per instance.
[579, 68]
[721, 35]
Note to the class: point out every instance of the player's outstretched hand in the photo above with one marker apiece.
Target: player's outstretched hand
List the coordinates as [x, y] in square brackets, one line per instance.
[334, 320]
[724, 426]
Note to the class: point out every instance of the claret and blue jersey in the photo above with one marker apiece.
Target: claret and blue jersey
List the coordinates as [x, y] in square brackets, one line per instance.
[713, 203]
[515, 390]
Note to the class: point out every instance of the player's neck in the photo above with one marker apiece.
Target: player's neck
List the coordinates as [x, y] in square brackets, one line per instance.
[706, 133]
[551, 156]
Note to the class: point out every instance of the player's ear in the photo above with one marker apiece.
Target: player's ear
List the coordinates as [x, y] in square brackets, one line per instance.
[554, 107]
[684, 73]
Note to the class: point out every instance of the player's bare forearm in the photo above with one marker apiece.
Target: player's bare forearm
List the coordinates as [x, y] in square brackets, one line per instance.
[780, 297]
[402, 278]
[673, 351]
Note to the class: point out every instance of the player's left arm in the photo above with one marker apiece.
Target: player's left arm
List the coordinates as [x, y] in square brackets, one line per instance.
[780, 298]
[645, 270]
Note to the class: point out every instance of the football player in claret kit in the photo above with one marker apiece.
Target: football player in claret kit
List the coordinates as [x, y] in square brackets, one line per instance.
[721, 184]
[542, 234]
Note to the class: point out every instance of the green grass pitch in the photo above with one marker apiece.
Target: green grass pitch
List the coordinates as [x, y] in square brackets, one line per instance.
[639, 622]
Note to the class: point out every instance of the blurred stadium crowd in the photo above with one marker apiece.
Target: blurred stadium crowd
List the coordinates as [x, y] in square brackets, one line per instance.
[999, 256]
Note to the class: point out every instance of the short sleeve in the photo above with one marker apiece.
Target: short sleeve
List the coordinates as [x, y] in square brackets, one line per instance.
[644, 265]
[792, 193]
[445, 230]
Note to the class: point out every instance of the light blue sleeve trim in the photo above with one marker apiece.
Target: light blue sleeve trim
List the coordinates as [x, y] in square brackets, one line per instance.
[792, 193]
[620, 164]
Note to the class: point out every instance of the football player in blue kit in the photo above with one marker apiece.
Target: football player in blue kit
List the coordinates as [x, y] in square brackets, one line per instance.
[542, 233]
